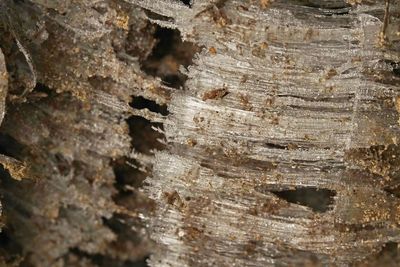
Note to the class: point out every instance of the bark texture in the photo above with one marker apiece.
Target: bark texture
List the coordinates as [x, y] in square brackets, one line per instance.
[283, 147]
[74, 67]
[268, 132]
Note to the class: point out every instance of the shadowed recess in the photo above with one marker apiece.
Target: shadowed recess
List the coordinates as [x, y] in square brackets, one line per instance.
[168, 55]
[9, 146]
[144, 138]
[187, 2]
[10, 251]
[104, 261]
[319, 200]
[396, 68]
[139, 102]
[331, 4]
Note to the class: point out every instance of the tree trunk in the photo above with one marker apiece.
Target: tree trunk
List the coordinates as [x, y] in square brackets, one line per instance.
[283, 144]
[269, 135]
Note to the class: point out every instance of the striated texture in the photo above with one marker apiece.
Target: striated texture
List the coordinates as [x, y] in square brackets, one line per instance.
[73, 67]
[283, 146]
[268, 132]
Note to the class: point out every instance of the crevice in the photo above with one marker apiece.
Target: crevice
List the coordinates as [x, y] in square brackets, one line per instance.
[106, 261]
[139, 102]
[40, 91]
[12, 207]
[187, 2]
[275, 146]
[128, 180]
[319, 200]
[124, 227]
[331, 8]
[127, 175]
[10, 251]
[155, 16]
[395, 68]
[320, 98]
[130, 172]
[144, 138]
[10, 147]
[168, 55]
[332, 4]
[131, 241]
